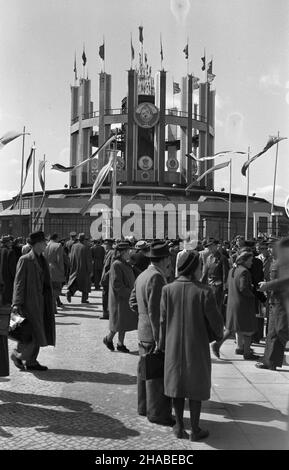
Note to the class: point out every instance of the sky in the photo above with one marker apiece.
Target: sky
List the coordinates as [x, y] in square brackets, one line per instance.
[247, 39]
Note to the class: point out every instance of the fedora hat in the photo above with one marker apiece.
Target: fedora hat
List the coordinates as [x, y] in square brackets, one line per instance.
[36, 237]
[125, 245]
[159, 249]
[188, 262]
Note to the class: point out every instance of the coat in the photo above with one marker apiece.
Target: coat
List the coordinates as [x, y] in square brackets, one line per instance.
[241, 309]
[186, 309]
[80, 267]
[54, 256]
[33, 293]
[108, 259]
[9, 263]
[121, 281]
[97, 253]
[145, 300]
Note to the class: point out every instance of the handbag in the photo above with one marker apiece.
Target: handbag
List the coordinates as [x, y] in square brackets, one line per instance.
[19, 329]
[151, 365]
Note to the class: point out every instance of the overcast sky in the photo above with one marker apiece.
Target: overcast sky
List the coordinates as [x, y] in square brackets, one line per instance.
[248, 40]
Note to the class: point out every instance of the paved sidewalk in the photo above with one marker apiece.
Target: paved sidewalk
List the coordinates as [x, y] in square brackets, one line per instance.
[87, 398]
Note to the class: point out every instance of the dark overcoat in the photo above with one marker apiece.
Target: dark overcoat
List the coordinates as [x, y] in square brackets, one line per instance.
[33, 293]
[121, 282]
[186, 308]
[241, 302]
[80, 267]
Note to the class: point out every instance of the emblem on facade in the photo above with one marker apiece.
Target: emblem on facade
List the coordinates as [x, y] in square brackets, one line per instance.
[145, 162]
[146, 115]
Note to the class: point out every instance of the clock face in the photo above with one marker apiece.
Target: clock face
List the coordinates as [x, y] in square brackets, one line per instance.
[146, 115]
[145, 162]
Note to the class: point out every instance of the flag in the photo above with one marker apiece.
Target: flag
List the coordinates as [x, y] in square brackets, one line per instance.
[41, 167]
[176, 88]
[75, 68]
[219, 154]
[132, 49]
[210, 74]
[220, 166]
[162, 52]
[101, 51]
[186, 51]
[203, 59]
[140, 34]
[27, 167]
[146, 57]
[8, 137]
[272, 141]
[103, 173]
[65, 169]
[84, 58]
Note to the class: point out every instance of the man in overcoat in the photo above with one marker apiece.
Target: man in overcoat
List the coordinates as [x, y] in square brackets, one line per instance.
[145, 301]
[97, 253]
[54, 255]
[80, 269]
[108, 257]
[33, 299]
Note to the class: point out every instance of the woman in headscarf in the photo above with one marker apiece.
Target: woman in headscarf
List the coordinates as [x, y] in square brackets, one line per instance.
[188, 312]
[241, 313]
[121, 282]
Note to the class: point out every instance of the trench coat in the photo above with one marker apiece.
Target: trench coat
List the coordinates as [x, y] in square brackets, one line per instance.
[9, 262]
[121, 282]
[80, 267]
[241, 304]
[186, 308]
[32, 292]
[54, 255]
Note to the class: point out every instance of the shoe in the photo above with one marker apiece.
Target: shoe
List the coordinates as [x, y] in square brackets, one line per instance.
[68, 296]
[251, 357]
[37, 367]
[200, 434]
[171, 422]
[85, 302]
[260, 365]
[240, 351]
[59, 303]
[18, 363]
[122, 348]
[216, 350]
[180, 433]
[141, 413]
[105, 315]
[108, 344]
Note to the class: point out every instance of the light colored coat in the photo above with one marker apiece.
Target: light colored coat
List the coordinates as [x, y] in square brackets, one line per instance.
[187, 308]
[54, 255]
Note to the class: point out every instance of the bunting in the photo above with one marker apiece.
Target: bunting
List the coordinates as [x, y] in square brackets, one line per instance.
[27, 168]
[219, 154]
[8, 137]
[140, 28]
[102, 51]
[176, 88]
[186, 51]
[41, 178]
[66, 169]
[84, 59]
[272, 141]
[203, 59]
[220, 166]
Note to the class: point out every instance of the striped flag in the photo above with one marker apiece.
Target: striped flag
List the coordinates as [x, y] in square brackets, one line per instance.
[176, 88]
[103, 173]
[220, 166]
[41, 167]
[84, 59]
[66, 169]
[27, 168]
[272, 141]
[220, 154]
[8, 137]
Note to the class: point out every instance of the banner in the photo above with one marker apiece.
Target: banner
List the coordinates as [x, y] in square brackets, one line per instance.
[8, 137]
[220, 166]
[272, 141]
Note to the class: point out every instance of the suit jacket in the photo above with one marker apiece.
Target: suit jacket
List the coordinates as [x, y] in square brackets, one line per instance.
[145, 300]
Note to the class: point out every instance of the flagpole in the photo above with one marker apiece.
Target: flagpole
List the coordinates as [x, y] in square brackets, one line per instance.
[274, 187]
[113, 185]
[188, 65]
[247, 198]
[230, 203]
[103, 55]
[131, 51]
[33, 188]
[22, 170]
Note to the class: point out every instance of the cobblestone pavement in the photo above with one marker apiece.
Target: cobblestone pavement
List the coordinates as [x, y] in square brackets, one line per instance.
[87, 398]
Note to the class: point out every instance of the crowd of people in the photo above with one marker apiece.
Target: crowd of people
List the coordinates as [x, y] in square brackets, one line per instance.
[181, 296]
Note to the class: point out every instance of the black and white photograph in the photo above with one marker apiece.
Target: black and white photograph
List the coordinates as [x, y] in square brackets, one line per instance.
[144, 230]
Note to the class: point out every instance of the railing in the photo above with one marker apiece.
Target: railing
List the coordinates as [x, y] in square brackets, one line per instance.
[119, 111]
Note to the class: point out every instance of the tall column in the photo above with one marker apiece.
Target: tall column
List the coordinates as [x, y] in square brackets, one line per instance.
[189, 128]
[104, 106]
[75, 135]
[86, 132]
[131, 134]
[203, 134]
[160, 129]
[211, 138]
[183, 130]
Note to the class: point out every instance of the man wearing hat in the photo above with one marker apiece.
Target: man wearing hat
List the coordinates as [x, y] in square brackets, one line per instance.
[139, 258]
[104, 282]
[72, 240]
[80, 269]
[145, 301]
[33, 299]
